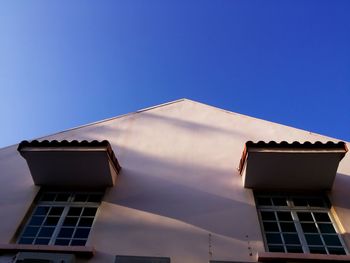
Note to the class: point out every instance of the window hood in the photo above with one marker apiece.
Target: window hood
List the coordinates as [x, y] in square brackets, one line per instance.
[304, 166]
[71, 163]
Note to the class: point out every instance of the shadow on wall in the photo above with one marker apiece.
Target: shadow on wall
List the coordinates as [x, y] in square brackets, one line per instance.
[161, 187]
[186, 169]
[193, 126]
[211, 212]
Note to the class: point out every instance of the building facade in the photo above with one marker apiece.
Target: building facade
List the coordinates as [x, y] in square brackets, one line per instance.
[179, 182]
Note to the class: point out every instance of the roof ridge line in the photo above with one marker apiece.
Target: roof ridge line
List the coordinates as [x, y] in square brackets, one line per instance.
[329, 137]
[107, 119]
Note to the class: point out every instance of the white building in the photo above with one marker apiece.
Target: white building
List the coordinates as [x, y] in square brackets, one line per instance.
[179, 182]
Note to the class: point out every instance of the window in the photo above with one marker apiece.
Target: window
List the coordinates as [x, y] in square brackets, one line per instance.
[298, 224]
[61, 218]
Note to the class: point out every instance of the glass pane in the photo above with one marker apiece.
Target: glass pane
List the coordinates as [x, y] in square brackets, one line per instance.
[51, 221]
[82, 233]
[46, 231]
[74, 211]
[88, 222]
[41, 210]
[284, 216]
[336, 250]
[66, 232]
[291, 239]
[25, 240]
[294, 249]
[62, 197]
[322, 217]
[288, 227]
[273, 238]
[57, 211]
[48, 197]
[267, 215]
[264, 201]
[30, 231]
[316, 202]
[309, 227]
[300, 201]
[80, 198]
[305, 216]
[42, 241]
[62, 242]
[36, 220]
[331, 240]
[313, 240]
[70, 221]
[271, 227]
[78, 242]
[326, 228]
[279, 201]
[317, 250]
[89, 211]
[95, 198]
[273, 248]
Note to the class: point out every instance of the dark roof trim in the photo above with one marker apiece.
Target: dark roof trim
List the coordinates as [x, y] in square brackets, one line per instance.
[71, 144]
[287, 146]
[296, 144]
[64, 143]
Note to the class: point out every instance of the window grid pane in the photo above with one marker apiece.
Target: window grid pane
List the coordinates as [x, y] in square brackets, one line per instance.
[298, 224]
[61, 219]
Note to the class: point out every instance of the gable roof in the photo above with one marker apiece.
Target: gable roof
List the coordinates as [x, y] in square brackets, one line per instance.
[181, 102]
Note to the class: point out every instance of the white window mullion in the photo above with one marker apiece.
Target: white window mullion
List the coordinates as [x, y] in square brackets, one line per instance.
[61, 220]
[59, 225]
[300, 232]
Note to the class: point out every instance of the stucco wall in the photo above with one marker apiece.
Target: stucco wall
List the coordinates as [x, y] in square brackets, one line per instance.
[179, 193]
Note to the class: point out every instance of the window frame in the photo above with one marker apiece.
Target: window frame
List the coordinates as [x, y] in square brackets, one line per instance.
[69, 203]
[294, 210]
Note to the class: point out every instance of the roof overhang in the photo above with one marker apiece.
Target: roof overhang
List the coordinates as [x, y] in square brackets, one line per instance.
[304, 166]
[71, 164]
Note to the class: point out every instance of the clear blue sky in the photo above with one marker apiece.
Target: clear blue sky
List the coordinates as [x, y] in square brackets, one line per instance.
[68, 63]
